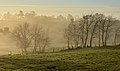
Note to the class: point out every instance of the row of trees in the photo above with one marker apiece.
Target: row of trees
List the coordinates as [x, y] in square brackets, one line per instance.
[88, 31]
[32, 15]
[55, 24]
[31, 36]
[89, 28]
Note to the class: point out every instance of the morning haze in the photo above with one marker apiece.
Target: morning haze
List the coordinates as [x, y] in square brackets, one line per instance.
[51, 11]
[59, 35]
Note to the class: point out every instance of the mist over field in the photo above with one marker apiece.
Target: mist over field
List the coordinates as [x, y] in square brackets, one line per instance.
[59, 35]
[55, 27]
[48, 15]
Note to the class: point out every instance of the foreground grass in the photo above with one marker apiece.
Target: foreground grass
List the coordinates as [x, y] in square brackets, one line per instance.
[73, 60]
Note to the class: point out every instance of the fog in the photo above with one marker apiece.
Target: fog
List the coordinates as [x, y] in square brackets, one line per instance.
[61, 10]
[49, 17]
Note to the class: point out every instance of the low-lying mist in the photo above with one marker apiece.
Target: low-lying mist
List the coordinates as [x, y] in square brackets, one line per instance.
[53, 19]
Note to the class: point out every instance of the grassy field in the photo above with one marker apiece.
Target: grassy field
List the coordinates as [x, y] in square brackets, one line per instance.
[91, 59]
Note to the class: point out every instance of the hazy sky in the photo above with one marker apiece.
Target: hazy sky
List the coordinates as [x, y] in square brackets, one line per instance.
[62, 2]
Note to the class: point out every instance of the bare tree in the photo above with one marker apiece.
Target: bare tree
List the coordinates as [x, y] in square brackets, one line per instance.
[45, 41]
[36, 32]
[22, 35]
[27, 35]
[40, 38]
[108, 29]
[67, 37]
[69, 33]
[117, 31]
[106, 24]
[93, 32]
[82, 33]
[88, 23]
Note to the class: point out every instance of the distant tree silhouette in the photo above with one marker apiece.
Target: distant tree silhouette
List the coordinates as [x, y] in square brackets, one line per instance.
[40, 38]
[22, 35]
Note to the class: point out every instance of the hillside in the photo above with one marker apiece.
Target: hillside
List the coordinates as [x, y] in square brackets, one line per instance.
[95, 59]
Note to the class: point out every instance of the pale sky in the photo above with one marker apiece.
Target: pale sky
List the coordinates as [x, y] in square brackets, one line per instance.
[62, 2]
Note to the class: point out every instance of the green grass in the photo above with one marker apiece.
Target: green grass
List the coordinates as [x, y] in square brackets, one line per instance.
[71, 60]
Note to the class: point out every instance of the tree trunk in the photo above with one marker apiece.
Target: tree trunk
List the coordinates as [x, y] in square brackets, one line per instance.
[82, 36]
[72, 45]
[68, 43]
[103, 30]
[99, 36]
[93, 31]
[107, 35]
[25, 51]
[85, 44]
[35, 45]
[115, 39]
[43, 50]
[91, 39]
[105, 43]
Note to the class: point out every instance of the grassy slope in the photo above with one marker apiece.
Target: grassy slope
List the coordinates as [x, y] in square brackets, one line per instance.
[73, 60]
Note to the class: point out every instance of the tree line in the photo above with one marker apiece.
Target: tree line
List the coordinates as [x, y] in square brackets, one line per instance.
[94, 27]
[88, 31]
